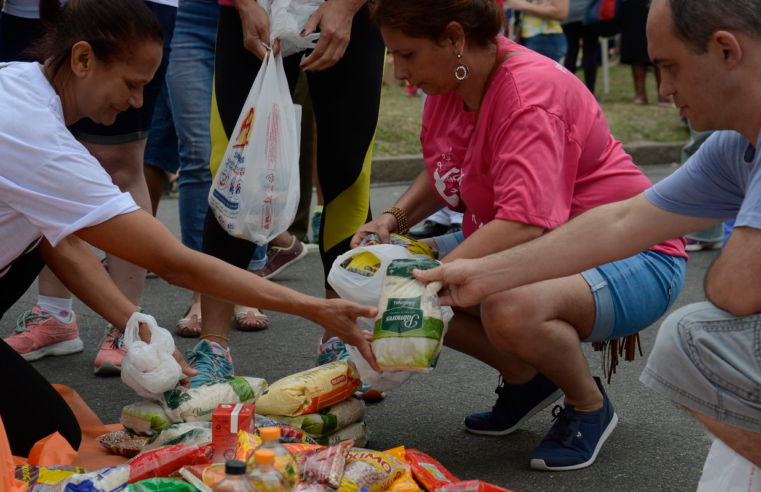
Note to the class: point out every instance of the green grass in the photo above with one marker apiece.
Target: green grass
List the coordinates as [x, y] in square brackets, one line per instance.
[400, 116]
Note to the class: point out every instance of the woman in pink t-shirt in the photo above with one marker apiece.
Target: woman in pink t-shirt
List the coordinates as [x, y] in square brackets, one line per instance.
[518, 144]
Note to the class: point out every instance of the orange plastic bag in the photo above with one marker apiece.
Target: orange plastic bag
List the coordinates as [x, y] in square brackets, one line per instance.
[55, 450]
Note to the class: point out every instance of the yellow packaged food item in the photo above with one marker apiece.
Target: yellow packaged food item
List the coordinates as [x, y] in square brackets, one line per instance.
[42, 477]
[412, 245]
[405, 483]
[310, 391]
[372, 470]
[247, 444]
[363, 263]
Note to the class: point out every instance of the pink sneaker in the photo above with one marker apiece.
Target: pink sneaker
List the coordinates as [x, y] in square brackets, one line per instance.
[39, 334]
[111, 352]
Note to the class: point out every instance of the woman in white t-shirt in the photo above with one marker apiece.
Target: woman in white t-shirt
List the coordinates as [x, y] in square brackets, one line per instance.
[55, 197]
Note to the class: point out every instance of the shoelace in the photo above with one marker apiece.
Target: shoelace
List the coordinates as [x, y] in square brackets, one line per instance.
[114, 337]
[27, 316]
[204, 363]
[566, 426]
[341, 354]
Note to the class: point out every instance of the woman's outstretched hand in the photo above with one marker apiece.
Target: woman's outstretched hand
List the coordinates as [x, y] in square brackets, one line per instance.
[340, 317]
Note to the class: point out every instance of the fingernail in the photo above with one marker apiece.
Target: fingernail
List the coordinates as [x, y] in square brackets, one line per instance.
[303, 32]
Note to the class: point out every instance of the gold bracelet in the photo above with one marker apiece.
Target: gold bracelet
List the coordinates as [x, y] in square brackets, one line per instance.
[402, 226]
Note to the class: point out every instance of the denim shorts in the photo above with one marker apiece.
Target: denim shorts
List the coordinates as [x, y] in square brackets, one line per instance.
[553, 46]
[708, 360]
[631, 294]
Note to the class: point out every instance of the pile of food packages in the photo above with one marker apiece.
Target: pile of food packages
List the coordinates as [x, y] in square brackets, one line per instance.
[312, 422]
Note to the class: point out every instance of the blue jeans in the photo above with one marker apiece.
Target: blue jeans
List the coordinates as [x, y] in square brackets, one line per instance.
[553, 46]
[708, 360]
[187, 114]
[631, 294]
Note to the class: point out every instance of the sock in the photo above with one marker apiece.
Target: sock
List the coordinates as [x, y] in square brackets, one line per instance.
[57, 307]
[317, 209]
[219, 348]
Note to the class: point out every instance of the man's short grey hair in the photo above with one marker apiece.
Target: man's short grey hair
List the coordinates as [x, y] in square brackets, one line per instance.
[696, 20]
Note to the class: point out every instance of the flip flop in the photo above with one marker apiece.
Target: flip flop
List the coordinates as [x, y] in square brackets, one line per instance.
[189, 326]
[250, 319]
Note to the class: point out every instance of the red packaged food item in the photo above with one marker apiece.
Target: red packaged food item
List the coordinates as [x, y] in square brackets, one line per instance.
[210, 475]
[324, 465]
[162, 462]
[430, 473]
[471, 486]
[226, 421]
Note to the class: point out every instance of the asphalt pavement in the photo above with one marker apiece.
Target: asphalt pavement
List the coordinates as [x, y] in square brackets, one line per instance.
[656, 446]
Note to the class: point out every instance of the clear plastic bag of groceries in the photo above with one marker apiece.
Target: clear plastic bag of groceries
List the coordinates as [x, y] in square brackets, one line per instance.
[255, 191]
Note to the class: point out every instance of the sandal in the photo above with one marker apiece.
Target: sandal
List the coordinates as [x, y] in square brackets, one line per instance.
[250, 319]
[189, 326]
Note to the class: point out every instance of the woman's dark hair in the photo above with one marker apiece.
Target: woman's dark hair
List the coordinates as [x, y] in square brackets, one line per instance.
[482, 20]
[112, 27]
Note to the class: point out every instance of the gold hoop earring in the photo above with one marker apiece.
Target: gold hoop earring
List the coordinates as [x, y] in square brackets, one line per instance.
[461, 71]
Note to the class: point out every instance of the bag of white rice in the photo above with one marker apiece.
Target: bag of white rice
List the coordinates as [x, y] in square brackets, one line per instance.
[146, 417]
[409, 331]
[197, 404]
[356, 431]
[328, 420]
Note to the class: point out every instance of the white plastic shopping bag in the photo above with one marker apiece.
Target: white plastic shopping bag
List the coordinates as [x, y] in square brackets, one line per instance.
[287, 20]
[727, 471]
[149, 369]
[357, 275]
[255, 191]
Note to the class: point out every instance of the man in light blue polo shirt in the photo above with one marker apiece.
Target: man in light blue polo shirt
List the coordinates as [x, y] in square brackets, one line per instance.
[707, 356]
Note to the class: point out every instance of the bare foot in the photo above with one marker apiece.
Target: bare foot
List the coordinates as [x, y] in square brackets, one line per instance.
[640, 101]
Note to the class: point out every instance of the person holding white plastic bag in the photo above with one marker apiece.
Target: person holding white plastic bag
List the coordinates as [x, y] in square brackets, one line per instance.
[55, 198]
[344, 72]
[520, 146]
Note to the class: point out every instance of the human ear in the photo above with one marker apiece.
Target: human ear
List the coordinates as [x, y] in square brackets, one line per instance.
[729, 46]
[454, 35]
[82, 59]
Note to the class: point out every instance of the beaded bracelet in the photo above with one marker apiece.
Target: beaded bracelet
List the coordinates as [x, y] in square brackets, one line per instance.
[403, 227]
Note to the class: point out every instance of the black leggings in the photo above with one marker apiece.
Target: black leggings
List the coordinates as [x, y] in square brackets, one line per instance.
[30, 407]
[346, 100]
[574, 32]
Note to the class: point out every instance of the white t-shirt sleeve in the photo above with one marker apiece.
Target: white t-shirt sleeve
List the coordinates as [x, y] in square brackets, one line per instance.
[66, 194]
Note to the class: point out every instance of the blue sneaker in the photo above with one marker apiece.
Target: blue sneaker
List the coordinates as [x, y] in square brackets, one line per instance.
[576, 437]
[516, 403]
[211, 361]
[334, 350]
